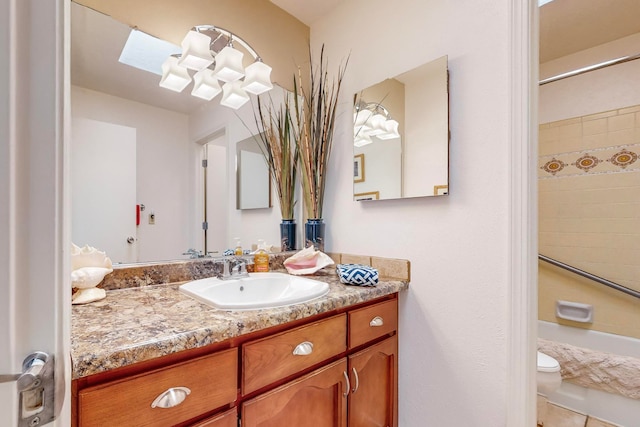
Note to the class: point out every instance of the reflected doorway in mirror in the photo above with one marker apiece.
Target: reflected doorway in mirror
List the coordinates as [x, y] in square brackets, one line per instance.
[358, 168]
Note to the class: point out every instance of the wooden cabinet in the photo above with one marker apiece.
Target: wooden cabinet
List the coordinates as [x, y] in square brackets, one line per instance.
[317, 399]
[374, 385]
[361, 386]
[336, 370]
[204, 384]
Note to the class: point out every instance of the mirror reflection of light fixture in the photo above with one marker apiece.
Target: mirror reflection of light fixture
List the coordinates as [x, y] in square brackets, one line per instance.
[372, 119]
[205, 45]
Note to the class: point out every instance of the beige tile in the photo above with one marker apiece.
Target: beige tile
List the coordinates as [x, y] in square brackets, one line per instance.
[355, 259]
[620, 122]
[571, 144]
[599, 115]
[549, 134]
[336, 257]
[573, 130]
[595, 422]
[565, 122]
[621, 137]
[562, 417]
[633, 109]
[592, 127]
[399, 269]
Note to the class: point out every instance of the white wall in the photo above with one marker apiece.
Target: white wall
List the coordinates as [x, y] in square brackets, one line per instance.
[163, 168]
[454, 320]
[601, 90]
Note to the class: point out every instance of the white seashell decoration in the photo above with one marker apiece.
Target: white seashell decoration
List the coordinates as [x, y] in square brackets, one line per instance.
[89, 266]
[307, 261]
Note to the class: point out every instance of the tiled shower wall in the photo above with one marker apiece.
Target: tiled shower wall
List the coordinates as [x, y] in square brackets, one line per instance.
[589, 215]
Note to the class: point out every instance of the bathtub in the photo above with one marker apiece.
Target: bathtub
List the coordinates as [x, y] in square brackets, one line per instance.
[607, 406]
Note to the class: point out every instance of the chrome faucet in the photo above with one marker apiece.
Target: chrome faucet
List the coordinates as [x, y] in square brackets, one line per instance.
[236, 271]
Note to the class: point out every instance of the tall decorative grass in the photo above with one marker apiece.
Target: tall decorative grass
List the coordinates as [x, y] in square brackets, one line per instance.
[279, 149]
[314, 118]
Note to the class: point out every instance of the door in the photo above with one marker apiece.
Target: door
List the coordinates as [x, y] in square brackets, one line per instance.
[103, 188]
[34, 245]
[215, 195]
[318, 399]
[374, 395]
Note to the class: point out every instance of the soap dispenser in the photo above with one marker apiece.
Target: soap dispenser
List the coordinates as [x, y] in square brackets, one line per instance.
[238, 249]
[261, 258]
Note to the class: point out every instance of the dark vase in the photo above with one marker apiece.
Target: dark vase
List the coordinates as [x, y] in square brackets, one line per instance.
[288, 235]
[314, 233]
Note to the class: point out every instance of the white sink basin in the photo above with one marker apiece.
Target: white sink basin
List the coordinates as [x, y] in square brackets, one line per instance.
[259, 290]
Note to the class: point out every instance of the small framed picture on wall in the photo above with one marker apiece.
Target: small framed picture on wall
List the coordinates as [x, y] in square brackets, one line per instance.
[358, 168]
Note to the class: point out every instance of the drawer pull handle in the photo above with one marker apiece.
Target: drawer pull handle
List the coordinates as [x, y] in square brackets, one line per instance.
[303, 349]
[357, 386]
[170, 398]
[348, 388]
[376, 321]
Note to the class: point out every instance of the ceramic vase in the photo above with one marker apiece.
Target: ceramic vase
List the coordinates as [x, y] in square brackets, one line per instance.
[288, 235]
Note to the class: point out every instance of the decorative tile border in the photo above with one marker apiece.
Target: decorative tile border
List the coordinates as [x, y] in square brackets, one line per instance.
[617, 159]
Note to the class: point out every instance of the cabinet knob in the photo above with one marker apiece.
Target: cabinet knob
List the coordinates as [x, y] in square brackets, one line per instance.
[376, 321]
[303, 349]
[170, 398]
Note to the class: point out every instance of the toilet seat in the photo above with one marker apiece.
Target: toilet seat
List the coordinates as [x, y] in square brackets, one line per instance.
[547, 363]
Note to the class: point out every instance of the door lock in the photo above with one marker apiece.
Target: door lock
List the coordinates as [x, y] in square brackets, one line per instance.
[36, 387]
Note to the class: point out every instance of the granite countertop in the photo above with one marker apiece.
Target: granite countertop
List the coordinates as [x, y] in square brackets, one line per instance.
[137, 324]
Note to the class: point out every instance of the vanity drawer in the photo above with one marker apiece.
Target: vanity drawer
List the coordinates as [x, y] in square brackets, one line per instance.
[269, 359]
[371, 322]
[211, 380]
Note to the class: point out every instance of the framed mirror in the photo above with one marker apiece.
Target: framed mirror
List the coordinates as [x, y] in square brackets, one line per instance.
[401, 135]
[252, 174]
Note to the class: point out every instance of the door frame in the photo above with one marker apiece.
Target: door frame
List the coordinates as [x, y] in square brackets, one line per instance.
[34, 224]
[36, 221]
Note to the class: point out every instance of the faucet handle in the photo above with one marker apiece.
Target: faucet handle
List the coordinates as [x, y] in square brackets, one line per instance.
[225, 268]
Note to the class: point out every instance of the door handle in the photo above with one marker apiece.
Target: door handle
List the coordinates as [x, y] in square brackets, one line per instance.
[130, 240]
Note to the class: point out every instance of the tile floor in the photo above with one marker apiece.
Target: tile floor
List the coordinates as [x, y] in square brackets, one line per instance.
[551, 415]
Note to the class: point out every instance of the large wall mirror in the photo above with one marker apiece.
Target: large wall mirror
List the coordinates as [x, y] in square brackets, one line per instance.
[401, 135]
[135, 143]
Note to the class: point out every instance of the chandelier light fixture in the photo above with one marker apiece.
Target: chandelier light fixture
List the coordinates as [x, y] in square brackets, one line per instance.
[370, 120]
[209, 51]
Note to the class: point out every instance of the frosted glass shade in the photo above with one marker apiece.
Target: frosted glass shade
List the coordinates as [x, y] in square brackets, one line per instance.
[376, 122]
[205, 85]
[361, 122]
[233, 96]
[361, 140]
[196, 54]
[229, 65]
[257, 78]
[174, 77]
[390, 130]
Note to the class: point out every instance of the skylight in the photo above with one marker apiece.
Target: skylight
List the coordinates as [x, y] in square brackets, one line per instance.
[146, 52]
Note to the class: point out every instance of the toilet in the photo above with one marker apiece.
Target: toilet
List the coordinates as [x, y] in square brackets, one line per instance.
[548, 376]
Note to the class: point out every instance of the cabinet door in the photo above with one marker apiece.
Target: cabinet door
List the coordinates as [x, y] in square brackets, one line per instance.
[374, 387]
[226, 419]
[317, 399]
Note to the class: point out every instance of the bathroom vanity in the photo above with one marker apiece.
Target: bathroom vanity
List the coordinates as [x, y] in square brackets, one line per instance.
[153, 356]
